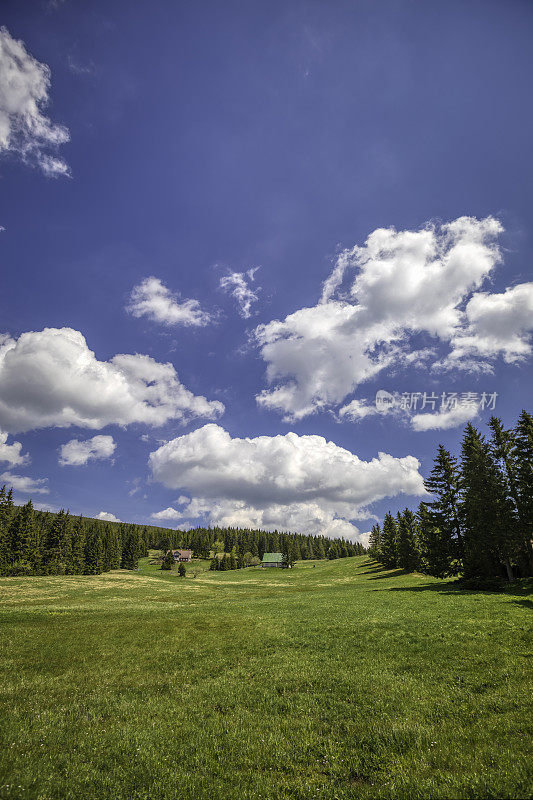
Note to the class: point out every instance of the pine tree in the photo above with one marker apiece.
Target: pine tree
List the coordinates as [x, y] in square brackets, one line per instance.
[111, 559]
[319, 550]
[93, 551]
[168, 561]
[232, 561]
[374, 542]
[6, 513]
[408, 552]
[522, 454]
[440, 521]
[489, 523]
[77, 546]
[22, 536]
[182, 570]
[57, 545]
[389, 544]
[130, 551]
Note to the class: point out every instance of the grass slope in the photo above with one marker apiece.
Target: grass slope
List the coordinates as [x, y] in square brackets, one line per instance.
[340, 681]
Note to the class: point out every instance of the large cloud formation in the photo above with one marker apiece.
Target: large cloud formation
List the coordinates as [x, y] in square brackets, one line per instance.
[51, 378]
[378, 296]
[290, 482]
[24, 128]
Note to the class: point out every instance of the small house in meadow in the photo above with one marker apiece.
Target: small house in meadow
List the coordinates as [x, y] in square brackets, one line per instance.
[272, 560]
[182, 555]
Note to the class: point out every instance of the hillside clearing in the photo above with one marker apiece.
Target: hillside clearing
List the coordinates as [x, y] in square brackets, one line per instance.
[340, 681]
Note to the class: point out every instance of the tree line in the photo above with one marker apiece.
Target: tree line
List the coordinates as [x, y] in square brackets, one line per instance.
[42, 543]
[34, 542]
[479, 524]
[236, 548]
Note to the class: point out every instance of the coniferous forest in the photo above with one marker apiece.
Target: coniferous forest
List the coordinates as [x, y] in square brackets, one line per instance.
[478, 523]
[36, 542]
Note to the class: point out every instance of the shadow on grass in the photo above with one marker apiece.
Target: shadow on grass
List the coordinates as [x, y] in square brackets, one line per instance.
[384, 572]
[525, 603]
[389, 573]
[519, 587]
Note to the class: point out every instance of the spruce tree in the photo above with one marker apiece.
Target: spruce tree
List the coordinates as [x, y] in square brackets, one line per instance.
[522, 454]
[440, 520]
[57, 545]
[374, 543]
[389, 544]
[407, 543]
[22, 535]
[319, 549]
[130, 551]
[6, 514]
[489, 523]
[93, 551]
[111, 558]
[77, 546]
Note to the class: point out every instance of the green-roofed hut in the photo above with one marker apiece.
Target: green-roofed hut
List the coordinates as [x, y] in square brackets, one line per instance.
[272, 560]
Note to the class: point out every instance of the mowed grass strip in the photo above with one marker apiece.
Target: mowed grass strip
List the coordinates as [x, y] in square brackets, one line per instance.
[339, 680]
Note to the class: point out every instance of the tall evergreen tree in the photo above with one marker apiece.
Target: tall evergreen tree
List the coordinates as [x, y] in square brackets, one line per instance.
[57, 545]
[22, 534]
[78, 545]
[93, 551]
[389, 541]
[489, 523]
[111, 548]
[522, 454]
[408, 550]
[130, 551]
[440, 520]
[374, 542]
[6, 513]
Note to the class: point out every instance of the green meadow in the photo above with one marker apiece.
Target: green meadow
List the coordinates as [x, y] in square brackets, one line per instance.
[339, 680]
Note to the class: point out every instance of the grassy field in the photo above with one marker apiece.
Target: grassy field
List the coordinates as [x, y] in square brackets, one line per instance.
[336, 681]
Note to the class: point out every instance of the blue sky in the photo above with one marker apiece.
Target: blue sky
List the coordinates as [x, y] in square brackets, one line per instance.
[171, 150]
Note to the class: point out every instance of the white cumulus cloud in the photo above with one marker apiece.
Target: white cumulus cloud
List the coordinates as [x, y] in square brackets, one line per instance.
[496, 324]
[238, 285]
[76, 453]
[378, 296]
[12, 453]
[51, 378]
[25, 485]
[152, 299]
[168, 513]
[24, 94]
[107, 516]
[445, 418]
[290, 482]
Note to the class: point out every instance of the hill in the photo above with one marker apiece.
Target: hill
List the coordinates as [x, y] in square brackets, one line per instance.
[340, 680]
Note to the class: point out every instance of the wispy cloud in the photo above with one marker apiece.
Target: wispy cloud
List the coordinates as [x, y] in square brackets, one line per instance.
[24, 94]
[25, 485]
[238, 285]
